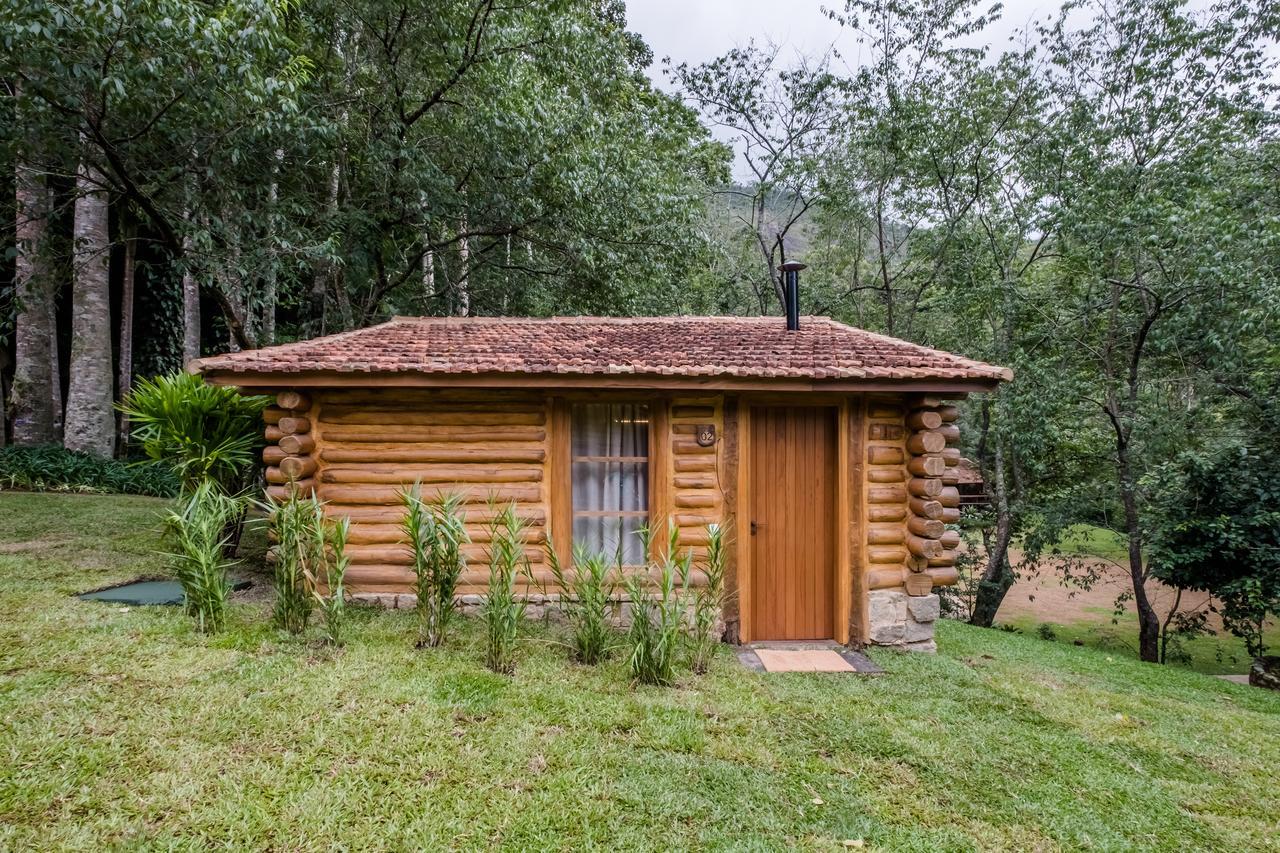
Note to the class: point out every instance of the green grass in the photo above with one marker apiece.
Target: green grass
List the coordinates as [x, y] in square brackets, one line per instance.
[126, 728]
[1088, 540]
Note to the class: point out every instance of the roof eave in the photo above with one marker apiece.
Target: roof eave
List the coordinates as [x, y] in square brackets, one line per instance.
[643, 382]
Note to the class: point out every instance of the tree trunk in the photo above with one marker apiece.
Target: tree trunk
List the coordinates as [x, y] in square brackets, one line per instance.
[35, 397]
[267, 335]
[90, 421]
[997, 578]
[190, 305]
[462, 307]
[1148, 621]
[125, 368]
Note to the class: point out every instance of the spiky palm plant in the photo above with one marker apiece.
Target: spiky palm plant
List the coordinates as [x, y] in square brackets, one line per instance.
[435, 534]
[297, 526]
[586, 599]
[332, 604]
[502, 611]
[657, 613]
[200, 564]
[708, 602]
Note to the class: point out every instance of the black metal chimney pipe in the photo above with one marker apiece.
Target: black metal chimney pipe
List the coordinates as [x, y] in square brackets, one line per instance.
[791, 292]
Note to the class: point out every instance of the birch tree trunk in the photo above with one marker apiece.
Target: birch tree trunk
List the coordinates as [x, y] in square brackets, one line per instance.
[90, 421]
[267, 335]
[124, 370]
[35, 397]
[462, 307]
[190, 304]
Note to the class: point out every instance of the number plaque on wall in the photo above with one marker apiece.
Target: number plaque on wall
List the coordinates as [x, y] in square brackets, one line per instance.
[706, 435]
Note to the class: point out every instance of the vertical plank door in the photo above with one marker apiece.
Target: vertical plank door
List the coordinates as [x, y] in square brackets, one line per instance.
[793, 520]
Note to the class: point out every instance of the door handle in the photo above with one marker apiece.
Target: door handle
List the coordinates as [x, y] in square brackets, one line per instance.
[755, 527]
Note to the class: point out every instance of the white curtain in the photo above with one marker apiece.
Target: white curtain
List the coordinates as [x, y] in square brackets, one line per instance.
[611, 477]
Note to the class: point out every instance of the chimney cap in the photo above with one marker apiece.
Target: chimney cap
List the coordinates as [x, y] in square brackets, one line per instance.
[793, 266]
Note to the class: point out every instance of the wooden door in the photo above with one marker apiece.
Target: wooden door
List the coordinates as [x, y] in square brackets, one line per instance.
[793, 523]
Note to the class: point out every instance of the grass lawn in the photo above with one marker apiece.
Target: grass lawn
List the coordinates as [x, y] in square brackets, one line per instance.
[123, 728]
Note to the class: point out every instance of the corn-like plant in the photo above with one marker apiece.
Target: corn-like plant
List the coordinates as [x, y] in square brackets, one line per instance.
[199, 526]
[297, 526]
[586, 599]
[436, 534]
[333, 606]
[502, 611]
[708, 603]
[657, 614]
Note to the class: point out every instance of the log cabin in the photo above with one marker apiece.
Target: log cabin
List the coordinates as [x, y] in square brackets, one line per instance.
[827, 452]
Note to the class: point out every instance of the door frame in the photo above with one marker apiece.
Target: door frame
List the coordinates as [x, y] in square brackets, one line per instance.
[848, 412]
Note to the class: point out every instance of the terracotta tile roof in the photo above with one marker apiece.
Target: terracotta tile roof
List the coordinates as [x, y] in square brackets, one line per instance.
[738, 347]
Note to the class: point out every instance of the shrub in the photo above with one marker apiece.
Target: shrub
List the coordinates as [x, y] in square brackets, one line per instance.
[206, 432]
[585, 600]
[200, 524]
[502, 611]
[51, 467]
[657, 615]
[436, 535]
[297, 525]
[333, 606]
[708, 602]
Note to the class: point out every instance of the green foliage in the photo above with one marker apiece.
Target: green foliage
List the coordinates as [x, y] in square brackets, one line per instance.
[200, 526]
[54, 468]
[332, 604]
[436, 534]
[709, 601]
[503, 611]
[206, 432]
[657, 598]
[298, 528]
[587, 602]
[1215, 526]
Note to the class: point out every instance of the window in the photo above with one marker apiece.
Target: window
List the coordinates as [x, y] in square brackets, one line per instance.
[611, 478]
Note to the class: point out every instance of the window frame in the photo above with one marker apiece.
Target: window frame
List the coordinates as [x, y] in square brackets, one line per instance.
[651, 408]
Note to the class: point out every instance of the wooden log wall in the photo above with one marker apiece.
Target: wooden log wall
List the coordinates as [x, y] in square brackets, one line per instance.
[697, 473]
[911, 493]
[290, 450]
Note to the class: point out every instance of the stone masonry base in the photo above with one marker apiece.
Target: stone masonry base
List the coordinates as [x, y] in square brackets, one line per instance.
[901, 620]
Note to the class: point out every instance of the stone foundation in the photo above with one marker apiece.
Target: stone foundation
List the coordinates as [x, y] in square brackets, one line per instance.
[901, 620]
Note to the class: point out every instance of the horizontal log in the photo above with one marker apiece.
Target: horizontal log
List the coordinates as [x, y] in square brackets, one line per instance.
[924, 419]
[696, 413]
[298, 467]
[949, 413]
[950, 476]
[272, 434]
[272, 415]
[921, 443]
[449, 433]
[432, 453]
[386, 496]
[690, 447]
[878, 534]
[886, 475]
[925, 487]
[402, 555]
[886, 512]
[917, 583]
[272, 454]
[303, 488]
[695, 519]
[925, 508]
[293, 425]
[274, 475]
[416, 398]
[474, 514]
[688, 464]
[949, 496]
[946, 557]
[927, 466]
[886, 494]
[695, 481]
[408, 474]
[880, 555]
[929, 528]
[366, 533]
[951, 456]
[950, 433]
[944, 576]
[950, 515]
[884, 578]
[884, 454]
[500, 416]
[886, 432]
[921, 547]
[689, 500]
[293, 401]
[885, 411]
[950, 539]
[925, 401]
[297, 445]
